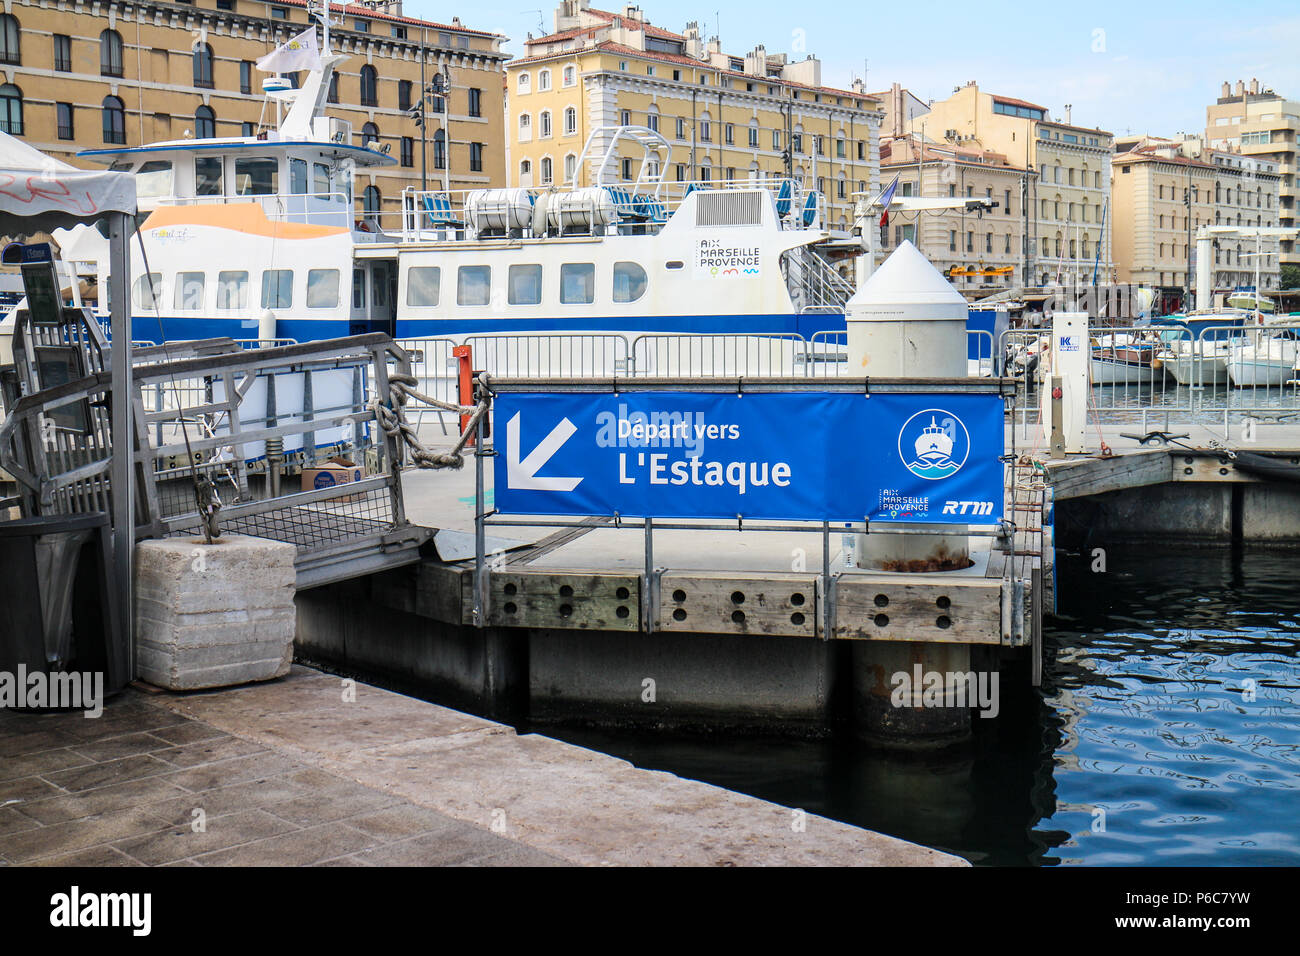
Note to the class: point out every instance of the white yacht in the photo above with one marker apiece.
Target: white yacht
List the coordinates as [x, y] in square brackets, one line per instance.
[256, 238]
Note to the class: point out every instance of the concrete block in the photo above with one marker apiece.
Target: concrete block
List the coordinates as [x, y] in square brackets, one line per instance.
[214, 615]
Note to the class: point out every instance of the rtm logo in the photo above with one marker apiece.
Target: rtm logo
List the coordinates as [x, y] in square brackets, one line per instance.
[968, 508]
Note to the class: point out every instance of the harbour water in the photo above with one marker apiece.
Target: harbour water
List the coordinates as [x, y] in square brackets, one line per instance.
[1166, 732]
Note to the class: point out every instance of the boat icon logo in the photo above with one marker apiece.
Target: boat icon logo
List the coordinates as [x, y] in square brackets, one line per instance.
[933, 444]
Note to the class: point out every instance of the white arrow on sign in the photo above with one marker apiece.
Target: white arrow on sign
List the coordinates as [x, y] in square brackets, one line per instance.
[523, 474]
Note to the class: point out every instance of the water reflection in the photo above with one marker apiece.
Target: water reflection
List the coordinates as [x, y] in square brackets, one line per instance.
[1167, 732]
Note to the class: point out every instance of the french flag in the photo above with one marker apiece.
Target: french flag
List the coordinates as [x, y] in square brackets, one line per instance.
[885, 199]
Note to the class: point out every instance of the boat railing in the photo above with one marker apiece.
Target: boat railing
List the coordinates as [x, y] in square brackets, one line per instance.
[315, 208]
[519, 212]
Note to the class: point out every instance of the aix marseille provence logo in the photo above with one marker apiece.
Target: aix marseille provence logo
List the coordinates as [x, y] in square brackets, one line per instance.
[933, 444]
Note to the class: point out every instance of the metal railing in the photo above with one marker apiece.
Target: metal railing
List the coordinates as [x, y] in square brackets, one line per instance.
[245, 420]
[1161, 376]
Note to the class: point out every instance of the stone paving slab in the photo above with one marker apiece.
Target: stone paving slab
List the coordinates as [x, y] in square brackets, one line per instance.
[528, 791]
[312, 771]
[123, 790]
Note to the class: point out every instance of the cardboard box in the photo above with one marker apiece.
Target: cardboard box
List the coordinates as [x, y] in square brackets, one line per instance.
[337, 471]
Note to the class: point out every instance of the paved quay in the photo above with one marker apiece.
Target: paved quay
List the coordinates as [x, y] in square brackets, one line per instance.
[315, 770]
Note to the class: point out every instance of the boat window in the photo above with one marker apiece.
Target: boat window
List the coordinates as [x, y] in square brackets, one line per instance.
[148, 288]
[189, 291]
[321, 179]
[473, 285]
[232, 290]
[121, 166]
[524, 285]
[298, 176]
[422, 285]
[277, 288]
[358, 288]
[322, 288]
[577, 283]
[207, 176]
[379, 286]
[629, 281]
[673, 264]
[154, 179]
[257, 177]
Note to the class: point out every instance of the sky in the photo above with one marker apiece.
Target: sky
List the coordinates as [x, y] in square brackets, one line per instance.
[1136, 66]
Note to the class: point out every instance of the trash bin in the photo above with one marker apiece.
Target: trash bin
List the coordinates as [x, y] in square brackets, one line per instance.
[58, 613]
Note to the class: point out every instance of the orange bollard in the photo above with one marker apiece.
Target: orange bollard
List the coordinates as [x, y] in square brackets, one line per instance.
[465, 392]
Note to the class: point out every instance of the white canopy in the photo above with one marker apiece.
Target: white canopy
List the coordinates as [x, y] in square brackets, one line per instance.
[40, 193]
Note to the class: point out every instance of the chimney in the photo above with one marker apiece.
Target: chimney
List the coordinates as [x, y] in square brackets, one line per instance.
[631, 12]
[1227, 89]
[1068, 107]
[1254, 85]
[1241, 88]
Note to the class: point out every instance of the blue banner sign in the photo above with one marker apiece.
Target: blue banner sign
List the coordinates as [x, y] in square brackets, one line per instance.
[835, 456]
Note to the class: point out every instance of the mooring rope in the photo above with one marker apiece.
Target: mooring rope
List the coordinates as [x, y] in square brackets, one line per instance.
[391, 416]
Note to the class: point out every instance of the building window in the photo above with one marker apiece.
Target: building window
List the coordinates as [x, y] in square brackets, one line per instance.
[369, 86]
[706, 129]
[570, 169]
[11, 110]
[753, 137]
[110, 53]
[205, 123]
[369, 134]
[1006, 204]
[547, 175]
[544, 80]
[246, 76]
[334, 88]
[247, 129]
[570, 75]
[729, 134]
[10, 36]
[952, 240]
[525, 172]
[544, 124]
[625, 118]
[114, 114]
[525, 126]
[279, 13]
[1006, 247]
[440, 150]
[403, 94]
[371, 202]
[202, 58]
[627, 168]
[570, 121]
[652, 120]
[681, 128]
[408, 151]
[476, 157]
[475, 102]
[523, 83]
[63, 112]
[988, 242]
[62, 53]
[776, 139]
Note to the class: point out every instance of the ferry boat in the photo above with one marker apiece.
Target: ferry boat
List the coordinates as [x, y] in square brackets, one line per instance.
[256, 238]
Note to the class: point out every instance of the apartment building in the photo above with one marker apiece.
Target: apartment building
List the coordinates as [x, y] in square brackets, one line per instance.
[1155, 225]
[80, 75]
[1067, 234]
[1261, 125]
[751, 117]
[979, 251]
[1151, 177]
